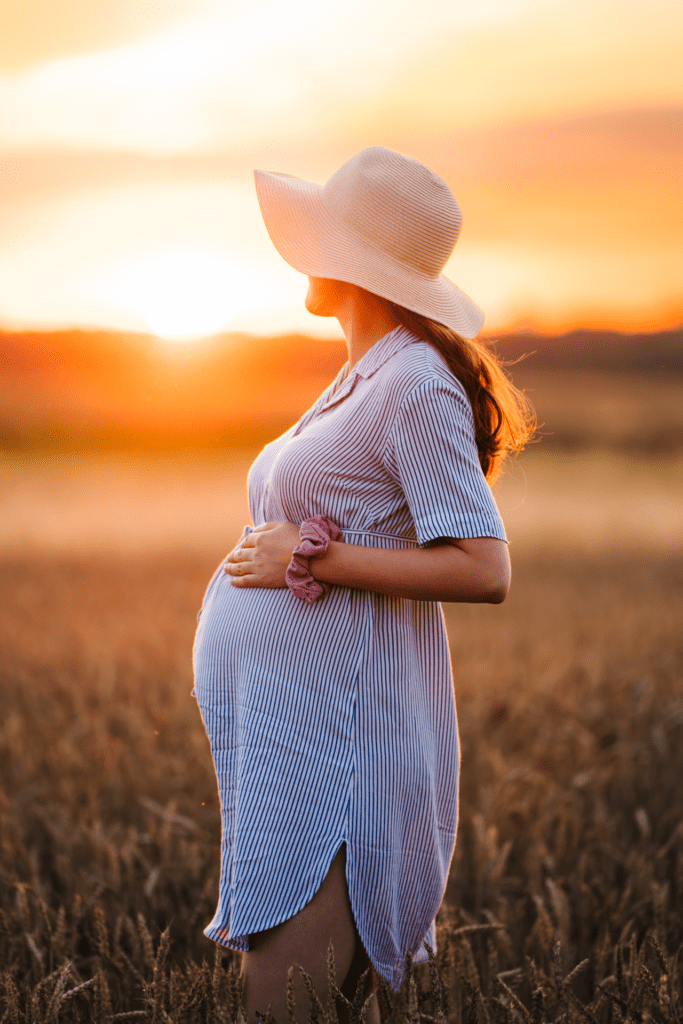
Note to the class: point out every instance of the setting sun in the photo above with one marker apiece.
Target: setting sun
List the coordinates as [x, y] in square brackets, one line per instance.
[180, 293]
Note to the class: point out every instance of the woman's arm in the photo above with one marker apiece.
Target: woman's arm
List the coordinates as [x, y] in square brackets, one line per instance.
[476, 570]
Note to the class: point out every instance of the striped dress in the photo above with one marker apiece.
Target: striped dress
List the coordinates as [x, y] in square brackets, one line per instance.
[335, 722]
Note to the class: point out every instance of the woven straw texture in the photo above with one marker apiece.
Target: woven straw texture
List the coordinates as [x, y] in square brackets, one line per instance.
[384, 222]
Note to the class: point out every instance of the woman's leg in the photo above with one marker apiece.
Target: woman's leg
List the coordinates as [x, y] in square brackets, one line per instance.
[304, 939]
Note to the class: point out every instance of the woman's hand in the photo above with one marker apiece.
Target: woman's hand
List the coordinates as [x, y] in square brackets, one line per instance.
[262, 557]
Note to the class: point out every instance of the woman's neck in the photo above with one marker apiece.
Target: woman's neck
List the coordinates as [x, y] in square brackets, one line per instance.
[364, 319]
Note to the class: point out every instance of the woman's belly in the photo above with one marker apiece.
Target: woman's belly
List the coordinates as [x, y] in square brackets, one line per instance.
[264, 652]
[276, 682]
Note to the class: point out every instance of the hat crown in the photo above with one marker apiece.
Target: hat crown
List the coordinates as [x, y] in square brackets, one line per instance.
[398, 205]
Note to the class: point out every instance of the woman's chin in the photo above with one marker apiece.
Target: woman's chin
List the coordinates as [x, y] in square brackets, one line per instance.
[317, 309]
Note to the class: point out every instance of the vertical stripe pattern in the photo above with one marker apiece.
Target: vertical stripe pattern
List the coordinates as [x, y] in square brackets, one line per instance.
[335, 722]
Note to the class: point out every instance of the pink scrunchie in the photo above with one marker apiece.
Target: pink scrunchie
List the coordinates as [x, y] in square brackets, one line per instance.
[315, 535]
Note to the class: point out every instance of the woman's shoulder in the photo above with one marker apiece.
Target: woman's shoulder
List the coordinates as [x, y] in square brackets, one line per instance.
[419, 367]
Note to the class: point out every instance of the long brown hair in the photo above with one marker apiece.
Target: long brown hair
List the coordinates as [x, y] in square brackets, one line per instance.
[504, 419]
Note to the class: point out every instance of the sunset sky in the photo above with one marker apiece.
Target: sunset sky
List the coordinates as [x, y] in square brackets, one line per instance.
[129, 132]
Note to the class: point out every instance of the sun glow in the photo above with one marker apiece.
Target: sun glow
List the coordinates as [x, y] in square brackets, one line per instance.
[181, 293]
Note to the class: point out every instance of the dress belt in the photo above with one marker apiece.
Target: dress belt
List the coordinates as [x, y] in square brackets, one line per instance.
[407, 541]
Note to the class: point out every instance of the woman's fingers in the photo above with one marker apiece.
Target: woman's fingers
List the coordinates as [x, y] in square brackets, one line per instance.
[261, 528]
[248, 542]
[262, 556]
[241, 572]
[239, 558]
[244, 581]
[245, 548]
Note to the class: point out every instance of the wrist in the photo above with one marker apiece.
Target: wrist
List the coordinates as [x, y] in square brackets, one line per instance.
[315, 536]
[318, 564]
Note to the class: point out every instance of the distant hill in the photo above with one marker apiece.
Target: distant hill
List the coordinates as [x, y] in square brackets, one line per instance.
[659, 353]
[108, 389]
[71, 390]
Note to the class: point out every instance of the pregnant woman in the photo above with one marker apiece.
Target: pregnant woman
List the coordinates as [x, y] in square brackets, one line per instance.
[321, 664]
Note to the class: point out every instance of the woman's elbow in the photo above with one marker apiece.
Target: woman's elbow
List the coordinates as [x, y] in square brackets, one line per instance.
[498, 591]
[488, 587]
[499, 581]
[488, 579]
[496, 579]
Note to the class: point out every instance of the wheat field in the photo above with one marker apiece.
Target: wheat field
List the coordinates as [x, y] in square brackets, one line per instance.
[565, 901]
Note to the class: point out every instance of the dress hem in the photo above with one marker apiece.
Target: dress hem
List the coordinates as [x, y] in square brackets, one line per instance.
[394, 976]
[211, 931]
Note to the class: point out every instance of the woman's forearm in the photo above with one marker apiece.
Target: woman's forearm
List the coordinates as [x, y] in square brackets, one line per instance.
[475, 570]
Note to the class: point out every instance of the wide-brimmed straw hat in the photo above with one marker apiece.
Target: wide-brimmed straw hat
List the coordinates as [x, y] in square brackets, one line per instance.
[384, 222]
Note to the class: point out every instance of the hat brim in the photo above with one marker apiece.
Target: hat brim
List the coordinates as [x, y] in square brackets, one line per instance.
[312, 242]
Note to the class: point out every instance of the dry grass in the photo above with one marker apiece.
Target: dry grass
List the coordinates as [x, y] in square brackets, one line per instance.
[566, 897]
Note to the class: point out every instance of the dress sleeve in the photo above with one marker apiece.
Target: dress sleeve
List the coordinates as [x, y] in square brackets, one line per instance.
[431, 453]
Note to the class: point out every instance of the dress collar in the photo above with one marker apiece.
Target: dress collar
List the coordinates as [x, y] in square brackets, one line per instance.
[374, 358]
[383, 350]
